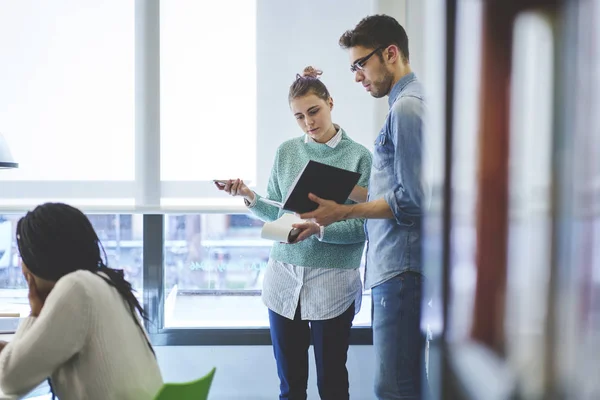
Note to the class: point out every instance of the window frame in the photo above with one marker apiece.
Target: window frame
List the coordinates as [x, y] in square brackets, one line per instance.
[154, 302]
[145, 197]
[147, 47]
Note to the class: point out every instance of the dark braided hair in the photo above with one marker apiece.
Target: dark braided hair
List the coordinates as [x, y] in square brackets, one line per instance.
[56, 239]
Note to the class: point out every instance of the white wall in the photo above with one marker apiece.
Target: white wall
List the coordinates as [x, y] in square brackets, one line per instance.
[291, 36]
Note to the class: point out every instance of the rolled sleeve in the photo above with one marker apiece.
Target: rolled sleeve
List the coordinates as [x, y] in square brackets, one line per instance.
[394, 199]
[406, 199]
[344, 232]
[267, 212]
[321, 233]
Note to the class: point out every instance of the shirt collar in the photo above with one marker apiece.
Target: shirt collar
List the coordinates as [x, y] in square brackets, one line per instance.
[399, 86]
[333, 142]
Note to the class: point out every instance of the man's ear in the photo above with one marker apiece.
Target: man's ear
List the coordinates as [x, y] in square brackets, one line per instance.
[330, 103]
[392, 54]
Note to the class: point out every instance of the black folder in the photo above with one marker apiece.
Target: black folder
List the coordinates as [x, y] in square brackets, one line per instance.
[322, 180]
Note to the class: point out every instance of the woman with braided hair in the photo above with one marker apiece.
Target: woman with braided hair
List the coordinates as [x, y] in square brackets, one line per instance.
[85, 330]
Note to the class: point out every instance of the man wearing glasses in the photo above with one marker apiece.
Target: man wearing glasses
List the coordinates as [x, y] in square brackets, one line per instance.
[393, 205]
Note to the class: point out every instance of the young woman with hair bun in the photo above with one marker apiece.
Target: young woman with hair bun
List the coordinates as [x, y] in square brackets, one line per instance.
[311, 287]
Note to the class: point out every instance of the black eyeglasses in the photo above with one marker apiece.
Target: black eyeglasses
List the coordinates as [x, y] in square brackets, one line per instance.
[359, 65]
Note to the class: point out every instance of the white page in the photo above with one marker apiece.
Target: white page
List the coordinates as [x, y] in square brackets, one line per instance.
[279, 229]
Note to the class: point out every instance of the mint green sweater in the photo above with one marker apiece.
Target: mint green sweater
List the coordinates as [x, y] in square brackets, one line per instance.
[343, 242]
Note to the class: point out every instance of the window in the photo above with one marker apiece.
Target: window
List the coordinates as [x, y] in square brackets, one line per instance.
[202, 88]
[134, 107]
[166, 97]
[121, 236]
[67, 104]
[214, 266]
[224, 81]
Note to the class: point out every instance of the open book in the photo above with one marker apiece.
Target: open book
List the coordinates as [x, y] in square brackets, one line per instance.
[281, 230]
[322, 180]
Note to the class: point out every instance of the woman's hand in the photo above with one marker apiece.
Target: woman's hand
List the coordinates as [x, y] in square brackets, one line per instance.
[236, 187]
[308, 228]
[36, 301]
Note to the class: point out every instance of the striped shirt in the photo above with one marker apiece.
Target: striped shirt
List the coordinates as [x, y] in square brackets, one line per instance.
[323, 293]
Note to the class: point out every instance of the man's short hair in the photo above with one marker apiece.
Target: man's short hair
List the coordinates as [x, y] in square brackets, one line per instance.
[377, 31]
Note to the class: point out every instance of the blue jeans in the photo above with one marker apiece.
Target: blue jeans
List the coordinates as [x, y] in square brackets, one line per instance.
[397, 339]
[330, 338]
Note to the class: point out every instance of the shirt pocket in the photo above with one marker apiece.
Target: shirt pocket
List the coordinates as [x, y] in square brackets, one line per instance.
[383, 155]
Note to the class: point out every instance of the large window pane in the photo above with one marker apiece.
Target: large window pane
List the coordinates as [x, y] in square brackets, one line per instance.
[208, 78]
[225, 74]
[121, 236]
[67, 100]
[67, 88]
[214, 267]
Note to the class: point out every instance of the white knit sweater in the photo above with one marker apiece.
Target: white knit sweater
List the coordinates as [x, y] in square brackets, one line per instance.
[85, 338]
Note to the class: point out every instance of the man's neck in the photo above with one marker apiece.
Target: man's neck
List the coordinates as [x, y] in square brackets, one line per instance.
[400, 73]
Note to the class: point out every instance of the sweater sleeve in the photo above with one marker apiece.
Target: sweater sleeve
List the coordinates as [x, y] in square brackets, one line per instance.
[42, 344]
[352, 230]
[267, 212]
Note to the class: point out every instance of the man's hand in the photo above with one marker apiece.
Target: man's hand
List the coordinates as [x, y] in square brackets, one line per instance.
[308, 229]
[328, 212]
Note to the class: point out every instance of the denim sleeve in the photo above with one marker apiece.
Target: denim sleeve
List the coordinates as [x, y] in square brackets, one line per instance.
[267, 212]
[406, 198]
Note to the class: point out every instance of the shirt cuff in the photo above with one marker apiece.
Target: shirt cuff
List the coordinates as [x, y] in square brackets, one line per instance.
[252, 203]
[321, 232]
[400, 217]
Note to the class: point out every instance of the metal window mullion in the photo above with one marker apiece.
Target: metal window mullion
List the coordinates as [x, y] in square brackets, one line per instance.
[147, 103]
[147, 154]
[153, 272]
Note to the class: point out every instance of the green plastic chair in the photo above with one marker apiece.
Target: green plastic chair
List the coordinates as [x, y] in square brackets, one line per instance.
[195, 390]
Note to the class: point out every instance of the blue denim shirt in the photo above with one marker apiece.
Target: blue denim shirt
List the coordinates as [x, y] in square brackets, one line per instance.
[394, 245]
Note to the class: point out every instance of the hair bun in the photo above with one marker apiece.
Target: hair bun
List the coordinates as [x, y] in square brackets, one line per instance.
[311, 72]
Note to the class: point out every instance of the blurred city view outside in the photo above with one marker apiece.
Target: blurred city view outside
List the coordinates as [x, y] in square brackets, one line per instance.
[213, 267]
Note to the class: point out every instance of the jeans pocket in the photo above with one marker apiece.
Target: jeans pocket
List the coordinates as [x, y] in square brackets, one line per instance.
[417, 293]
[412, 283]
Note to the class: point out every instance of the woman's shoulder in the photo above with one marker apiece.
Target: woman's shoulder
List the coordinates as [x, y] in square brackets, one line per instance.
[80, 282]
[289, 148]
[290, 144]
[74, 287]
